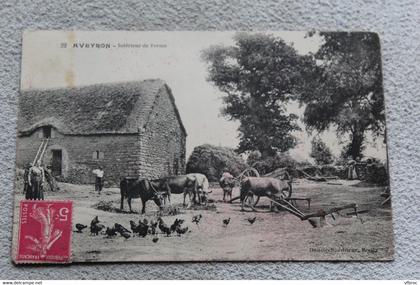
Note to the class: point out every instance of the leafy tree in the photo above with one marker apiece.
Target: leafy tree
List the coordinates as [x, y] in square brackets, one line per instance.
[212, 160]
[268, 164]
[344, 89]
[320, 152]
[258, 75]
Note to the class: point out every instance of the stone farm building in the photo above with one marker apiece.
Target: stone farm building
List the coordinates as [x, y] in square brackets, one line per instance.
[130, 129]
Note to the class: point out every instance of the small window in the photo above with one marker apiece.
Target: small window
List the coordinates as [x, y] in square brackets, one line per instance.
[97, 155]
[176, 166]
[46, 132]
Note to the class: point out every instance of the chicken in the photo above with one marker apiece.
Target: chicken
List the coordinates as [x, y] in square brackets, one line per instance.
[95, 220]
[164, 228]
[121, 229]
[174, 225]
[80, 227]
[196, 219]
[95, 229]
[226, 222]
[155, 239]
[134, 227]
[180, 231]
[153, 226]
[110, 232]
[126, 235]
[142, 229]
[252, 220]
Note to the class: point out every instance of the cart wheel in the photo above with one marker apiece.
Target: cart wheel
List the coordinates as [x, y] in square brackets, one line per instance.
[249, 172]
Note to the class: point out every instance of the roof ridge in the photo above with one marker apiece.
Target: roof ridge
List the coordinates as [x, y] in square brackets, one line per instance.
[116, 83]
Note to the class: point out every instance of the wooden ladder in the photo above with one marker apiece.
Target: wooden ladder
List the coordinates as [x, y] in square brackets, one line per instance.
[41, 150]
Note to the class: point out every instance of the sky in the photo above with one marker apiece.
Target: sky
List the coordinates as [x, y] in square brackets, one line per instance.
[172, 56]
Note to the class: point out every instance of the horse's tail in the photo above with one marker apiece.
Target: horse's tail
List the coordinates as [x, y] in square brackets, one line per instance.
[123, 191]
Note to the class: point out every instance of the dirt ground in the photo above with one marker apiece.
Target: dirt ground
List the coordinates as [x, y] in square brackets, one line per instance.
[274, 236]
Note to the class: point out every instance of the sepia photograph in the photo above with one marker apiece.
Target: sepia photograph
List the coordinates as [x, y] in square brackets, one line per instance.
[201, 146]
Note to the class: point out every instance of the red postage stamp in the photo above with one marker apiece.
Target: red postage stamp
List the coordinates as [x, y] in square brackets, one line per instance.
[45, 229]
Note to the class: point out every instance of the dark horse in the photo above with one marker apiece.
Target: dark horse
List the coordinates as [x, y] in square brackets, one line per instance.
[139, 188]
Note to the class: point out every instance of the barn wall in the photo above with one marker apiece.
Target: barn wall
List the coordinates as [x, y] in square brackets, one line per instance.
[162, 148]
[119, 155]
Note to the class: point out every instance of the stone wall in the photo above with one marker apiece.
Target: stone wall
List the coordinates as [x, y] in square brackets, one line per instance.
[162, 148]
[118, 155]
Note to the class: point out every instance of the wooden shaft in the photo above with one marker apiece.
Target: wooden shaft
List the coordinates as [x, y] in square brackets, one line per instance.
[323, 213]
[292, 211]
[292, 208]
[234, 199]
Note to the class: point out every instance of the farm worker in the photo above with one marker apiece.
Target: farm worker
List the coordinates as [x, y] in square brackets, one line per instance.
[50, 179]
[36, 178]
[26, 187]
[351, 169]
[226, 175]
[99, 181]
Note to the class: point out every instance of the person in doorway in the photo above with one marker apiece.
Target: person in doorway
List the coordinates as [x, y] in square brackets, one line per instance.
[99, 181]
[36, 178]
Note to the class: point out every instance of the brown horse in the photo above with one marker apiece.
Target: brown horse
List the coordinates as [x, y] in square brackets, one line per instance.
[264, 187]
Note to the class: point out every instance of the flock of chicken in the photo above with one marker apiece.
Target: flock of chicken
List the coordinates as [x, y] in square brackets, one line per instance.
[144, 227]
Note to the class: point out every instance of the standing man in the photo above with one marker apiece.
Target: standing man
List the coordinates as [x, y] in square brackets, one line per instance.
[226, 175]
[50, 179]
[99, 181]
[26, 185]
[36, 178]
[351, 169]
[227, 183]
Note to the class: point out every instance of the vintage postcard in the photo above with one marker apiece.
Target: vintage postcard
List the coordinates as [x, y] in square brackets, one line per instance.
[201, 146]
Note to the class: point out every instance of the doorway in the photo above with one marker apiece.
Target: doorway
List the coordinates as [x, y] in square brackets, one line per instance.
[57, 158]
